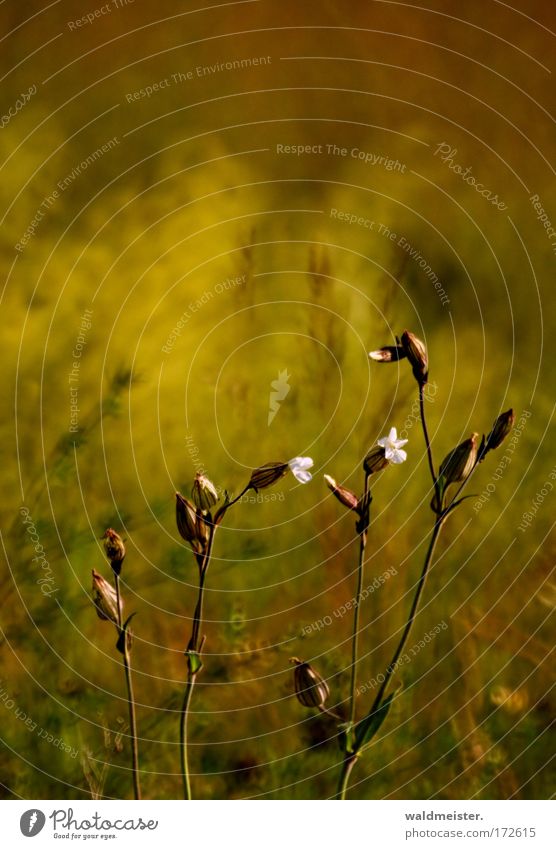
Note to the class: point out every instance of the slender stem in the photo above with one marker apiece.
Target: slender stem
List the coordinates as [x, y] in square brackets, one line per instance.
[412, 613]
[350, 759]
[356, 612]
[130, 697]
[198, 615]
[133, 726]
[193, 669]
[220, 513]
[347, 766]
[188, 692]
[426, 435]
[329, 712]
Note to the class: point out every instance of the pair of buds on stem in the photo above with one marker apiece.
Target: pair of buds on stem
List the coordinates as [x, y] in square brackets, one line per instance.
[459, 463]
[194, 518]
[107, 601]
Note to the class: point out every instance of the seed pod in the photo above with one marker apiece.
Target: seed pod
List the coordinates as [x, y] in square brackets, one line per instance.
[115, 549]
[202, 529]
[311, 690]
[345, 496]
[104, 598]
[267, 475]
[204, 492]
[500, 429]
[188, 525]
[388, 354]
[375, 460]
[459, 463]
[416, 353]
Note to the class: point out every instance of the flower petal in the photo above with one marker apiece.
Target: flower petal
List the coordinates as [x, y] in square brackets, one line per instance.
[398, 456]
[299, 466]
[301, 463]
[393, 435]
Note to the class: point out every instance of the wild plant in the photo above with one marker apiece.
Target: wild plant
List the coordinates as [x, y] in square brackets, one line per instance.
[355, 735]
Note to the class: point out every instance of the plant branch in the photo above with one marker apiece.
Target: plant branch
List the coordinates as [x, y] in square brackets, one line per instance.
[412, 613]
[427, 439]
[364, 519]
[130, 697]
[193, 665]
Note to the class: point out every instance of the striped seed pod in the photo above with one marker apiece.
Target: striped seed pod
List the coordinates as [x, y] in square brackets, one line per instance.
[104, 598]
[416, 353]
[310, 689]
[267, 475]
[204, 492]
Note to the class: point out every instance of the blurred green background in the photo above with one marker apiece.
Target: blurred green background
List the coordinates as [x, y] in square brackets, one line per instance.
[176, 369]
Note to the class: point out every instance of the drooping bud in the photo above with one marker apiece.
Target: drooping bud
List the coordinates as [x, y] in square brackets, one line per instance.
[267, 475]
[104, 598]
[388, 354]
[416, 353]
[345, 496]
[500, 429]
[204, 492]
[459, 463]
[188, 523]
[375, 460]
[115, 549]
[311, 690]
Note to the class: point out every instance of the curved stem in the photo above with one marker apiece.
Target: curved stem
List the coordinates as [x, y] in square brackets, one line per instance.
[412, 613]
[349, 762]
[193, 667]
[356, 612]
[427, 440]
[222, 510]
[130, 697]
[347, 766]
[329, 712]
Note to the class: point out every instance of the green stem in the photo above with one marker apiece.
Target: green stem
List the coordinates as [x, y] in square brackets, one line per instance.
[356, 612]
[193, 646]
[412, 613]
[350, 759]
[130, 697]
[347, 766]
[183, 737]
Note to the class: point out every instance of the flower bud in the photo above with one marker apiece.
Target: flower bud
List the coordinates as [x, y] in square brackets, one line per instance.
[345, 496]
[416, 353]
[104, 598]
[204, 492]
[202, 529]
[459, 463]
[115, 549]
[311, 690]
[267, 475]
[388, 354]
[189, 524]
[375, 460]
[500, 429]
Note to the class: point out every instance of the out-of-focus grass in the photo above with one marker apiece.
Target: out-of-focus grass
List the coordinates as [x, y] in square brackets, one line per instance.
[317, 295]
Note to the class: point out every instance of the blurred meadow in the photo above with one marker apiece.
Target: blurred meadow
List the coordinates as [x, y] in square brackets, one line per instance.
[153, 291]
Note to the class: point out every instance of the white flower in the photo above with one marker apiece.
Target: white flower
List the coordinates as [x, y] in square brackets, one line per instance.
[298, 467]
[392, 447]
